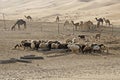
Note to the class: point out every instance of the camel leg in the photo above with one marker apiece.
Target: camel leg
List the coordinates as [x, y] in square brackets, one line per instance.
[24, 26]
[13, 28]
[31, 19]
[98, 24]
[76, 28]
[19, 27]
[109, 24]
[64, 27]
[106, 24]
[102, 23]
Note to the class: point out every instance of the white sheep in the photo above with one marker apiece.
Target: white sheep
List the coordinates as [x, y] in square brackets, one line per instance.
[73, 47]
[43, 45]
[54, 45]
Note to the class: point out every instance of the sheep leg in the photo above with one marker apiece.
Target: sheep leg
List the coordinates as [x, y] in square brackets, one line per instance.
[16, 46]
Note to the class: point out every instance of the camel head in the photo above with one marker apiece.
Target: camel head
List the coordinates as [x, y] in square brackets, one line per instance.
[81, 22]
[25, 16]
[96, 18]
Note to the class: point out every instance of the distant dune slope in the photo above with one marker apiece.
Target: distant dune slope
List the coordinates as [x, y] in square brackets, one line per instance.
[83, 9]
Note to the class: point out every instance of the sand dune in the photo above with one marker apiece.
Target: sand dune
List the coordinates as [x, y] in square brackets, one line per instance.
[47, 9]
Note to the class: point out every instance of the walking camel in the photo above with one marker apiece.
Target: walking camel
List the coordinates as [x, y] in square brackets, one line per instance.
[100, 20]
[107, 21]
[75, 25]
[29, 18]
[19, 23]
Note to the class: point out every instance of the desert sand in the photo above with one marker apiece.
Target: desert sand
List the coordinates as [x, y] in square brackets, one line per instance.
[57, 64]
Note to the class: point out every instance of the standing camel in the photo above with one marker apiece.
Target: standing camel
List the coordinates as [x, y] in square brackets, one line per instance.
[87, 26]
[81, 25]
[100, 20]
[107, 21]
[75, 24]
[19, 23]
[66, 23]
[29, 18]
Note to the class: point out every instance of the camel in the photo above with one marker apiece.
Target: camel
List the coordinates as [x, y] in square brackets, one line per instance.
[100, 20]
[19, 22]
[66, 23]
[107, 21]
[81, 25]
[75, 24]
[89, 24]
[86, 25]
[29, 18]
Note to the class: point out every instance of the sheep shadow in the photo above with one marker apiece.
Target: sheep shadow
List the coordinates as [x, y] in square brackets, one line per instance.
[102, 54]
[55, 52]
[57, 55]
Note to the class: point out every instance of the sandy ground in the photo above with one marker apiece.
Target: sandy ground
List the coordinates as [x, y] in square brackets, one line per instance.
[56, 65]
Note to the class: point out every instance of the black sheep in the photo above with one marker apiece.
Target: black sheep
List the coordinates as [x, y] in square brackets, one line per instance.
[81, 36]
[62, 46]
[26, 45]
[36, 43]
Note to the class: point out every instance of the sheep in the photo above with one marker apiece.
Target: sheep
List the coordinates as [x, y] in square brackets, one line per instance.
[104, 48]
[21, 44]
[50, 42]
[95, 47]
[54, 45]
[59, 46]
[45, 46]
[99, 48]
[17, 46]
[35, 44]
[68, 41]
[82, 46]
[73, 47]
[97, 36]
[81, 37]
[75, 40]
[26, 44]
[87, 48]
[32, 44]
[63, 46]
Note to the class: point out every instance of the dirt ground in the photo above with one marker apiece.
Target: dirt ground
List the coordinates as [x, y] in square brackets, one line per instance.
[56, 65]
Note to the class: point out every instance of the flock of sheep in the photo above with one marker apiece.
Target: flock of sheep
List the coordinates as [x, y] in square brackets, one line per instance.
[73, 45]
